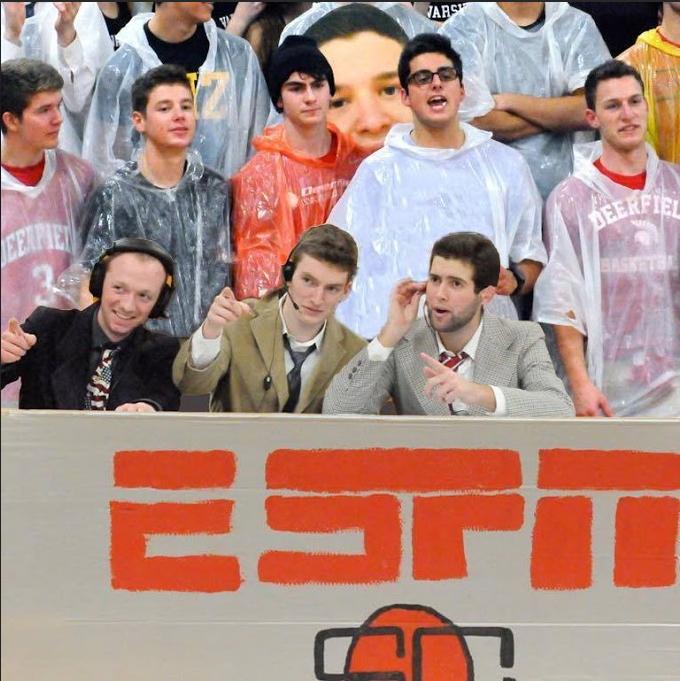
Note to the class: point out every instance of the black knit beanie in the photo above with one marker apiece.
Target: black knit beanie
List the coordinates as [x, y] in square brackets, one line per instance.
[296, 53]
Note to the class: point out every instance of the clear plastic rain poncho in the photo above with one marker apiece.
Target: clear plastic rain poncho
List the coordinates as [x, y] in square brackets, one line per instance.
[232, 101]
[658, 62]
[411, 21]
[191, 221]
[553, 61]
[40, 239]
[614, 276]
[277, 196]
[404, 197]
[77, 63]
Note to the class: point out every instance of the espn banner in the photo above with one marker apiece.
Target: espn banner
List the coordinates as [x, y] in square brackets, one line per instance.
[233, 547]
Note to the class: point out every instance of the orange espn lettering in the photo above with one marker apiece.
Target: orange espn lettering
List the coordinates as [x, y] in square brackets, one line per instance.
[438, 524]
[377, 515]
[131, 568]
[170, 469]
[646, 527]
[452, 491]
[396, 470]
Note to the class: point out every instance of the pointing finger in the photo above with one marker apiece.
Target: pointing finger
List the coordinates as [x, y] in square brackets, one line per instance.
[435, 365]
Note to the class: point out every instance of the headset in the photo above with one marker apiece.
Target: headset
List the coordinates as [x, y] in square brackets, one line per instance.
[287, 270]
[137, 245]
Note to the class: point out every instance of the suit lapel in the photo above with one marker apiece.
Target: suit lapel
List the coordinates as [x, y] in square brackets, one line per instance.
[332, 353]
[267, 330]
[492, 359]
[72, 354]
[422, 340]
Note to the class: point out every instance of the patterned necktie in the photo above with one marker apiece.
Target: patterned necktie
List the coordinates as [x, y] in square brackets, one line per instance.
[294, 377]
[452, 362]
[97, 393]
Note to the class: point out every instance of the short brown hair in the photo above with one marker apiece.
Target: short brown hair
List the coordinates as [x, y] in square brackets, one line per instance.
[613, 68]
[166, 74]
[21, 80]
[331, 245]
[476, 250]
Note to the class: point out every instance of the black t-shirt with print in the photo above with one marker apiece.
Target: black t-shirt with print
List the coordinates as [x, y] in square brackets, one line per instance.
[441, 11]
[190, 53]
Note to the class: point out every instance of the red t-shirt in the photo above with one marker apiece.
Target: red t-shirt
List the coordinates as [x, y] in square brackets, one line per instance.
[30, 175]
[630, 181]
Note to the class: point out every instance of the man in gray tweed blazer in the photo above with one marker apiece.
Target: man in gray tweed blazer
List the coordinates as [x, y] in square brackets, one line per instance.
[457, 360]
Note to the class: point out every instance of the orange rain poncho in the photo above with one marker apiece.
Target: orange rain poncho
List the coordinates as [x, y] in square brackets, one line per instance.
[277, 196]
[658, 62]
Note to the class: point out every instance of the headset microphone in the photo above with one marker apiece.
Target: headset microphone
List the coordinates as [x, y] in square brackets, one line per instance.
[295, 305]
[287, 271]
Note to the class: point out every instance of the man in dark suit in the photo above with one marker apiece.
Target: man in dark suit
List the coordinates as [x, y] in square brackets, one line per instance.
[100, 358]
[458, 359]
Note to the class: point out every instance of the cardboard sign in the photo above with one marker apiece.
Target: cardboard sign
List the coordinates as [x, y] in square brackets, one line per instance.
[211, 547]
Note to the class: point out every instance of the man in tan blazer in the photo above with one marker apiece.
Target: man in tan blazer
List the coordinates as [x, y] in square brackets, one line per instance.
[459, 359]
[280, 353]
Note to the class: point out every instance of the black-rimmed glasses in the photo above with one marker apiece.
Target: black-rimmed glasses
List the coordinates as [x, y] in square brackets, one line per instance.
[424, 76]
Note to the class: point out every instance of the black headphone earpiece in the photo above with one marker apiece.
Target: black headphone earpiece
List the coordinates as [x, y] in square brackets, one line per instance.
[137, 245]
[287, 270]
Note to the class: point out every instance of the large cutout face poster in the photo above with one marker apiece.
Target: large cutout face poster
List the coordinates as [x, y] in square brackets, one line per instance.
[217, 547]
[362, 45]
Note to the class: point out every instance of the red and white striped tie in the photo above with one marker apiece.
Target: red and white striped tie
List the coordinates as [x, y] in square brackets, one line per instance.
[453, 361]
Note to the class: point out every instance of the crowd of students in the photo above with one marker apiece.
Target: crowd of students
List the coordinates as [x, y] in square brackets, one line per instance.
[169, 225]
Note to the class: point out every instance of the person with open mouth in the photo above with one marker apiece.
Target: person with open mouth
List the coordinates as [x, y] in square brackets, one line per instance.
[434, 176]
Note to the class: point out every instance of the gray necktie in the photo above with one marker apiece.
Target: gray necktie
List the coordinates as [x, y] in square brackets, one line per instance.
[294, 377]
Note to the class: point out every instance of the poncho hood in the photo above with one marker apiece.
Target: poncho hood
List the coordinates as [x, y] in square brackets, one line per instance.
[586, 154]
[553, 11]
[653, 39]
[399, 137]
[273, 139]
[133, 34]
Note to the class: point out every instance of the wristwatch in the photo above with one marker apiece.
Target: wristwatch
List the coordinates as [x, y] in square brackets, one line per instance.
[514, 268]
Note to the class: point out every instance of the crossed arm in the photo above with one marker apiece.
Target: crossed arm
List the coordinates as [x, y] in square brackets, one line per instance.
[517, 116]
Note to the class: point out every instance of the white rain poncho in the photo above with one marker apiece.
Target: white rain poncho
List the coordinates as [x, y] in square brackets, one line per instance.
[39, 238]
[191, 221]
[404, 197]
[553, 61]
[613, 275]
[77, 63]
[232, 101]
[412, 22]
